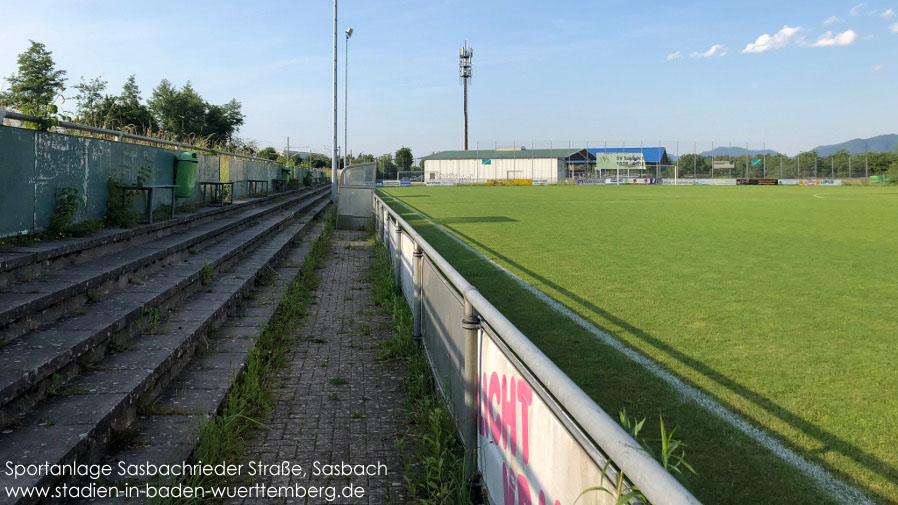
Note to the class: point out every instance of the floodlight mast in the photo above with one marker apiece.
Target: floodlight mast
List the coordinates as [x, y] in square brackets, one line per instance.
[464, 71]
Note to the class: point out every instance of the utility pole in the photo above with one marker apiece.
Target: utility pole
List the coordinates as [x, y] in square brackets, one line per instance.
[346, 101]
[335, 154]
[464, 68]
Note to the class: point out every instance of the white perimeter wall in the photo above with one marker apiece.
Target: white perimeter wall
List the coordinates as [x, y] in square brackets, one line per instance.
[551, 169]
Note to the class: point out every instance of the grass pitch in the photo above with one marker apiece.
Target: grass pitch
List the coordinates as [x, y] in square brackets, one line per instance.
[778, 302]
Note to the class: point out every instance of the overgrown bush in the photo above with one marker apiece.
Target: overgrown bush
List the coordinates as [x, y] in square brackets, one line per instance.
[120, 211]
[64, 211]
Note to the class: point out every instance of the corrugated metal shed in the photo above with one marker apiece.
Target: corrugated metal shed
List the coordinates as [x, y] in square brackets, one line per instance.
[474, 154]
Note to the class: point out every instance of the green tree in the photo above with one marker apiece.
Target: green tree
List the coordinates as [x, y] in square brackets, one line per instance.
[91, 102]
[363, 158]
[386, 169]
[179, 113]
[37, 83]
[269, 153]
[129, 113]
[404, 159]
[690, 164]
[319, 161]
[183, 113]
[222, 121]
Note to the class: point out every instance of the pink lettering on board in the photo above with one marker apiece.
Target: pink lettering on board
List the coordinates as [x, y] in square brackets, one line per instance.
[495, 419]
[484, 408]
[525, 396]
[543, 500]
[523, 491]
[509, 419]
[508, 485]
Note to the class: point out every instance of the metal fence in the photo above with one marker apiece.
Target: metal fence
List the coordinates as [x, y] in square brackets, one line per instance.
[692, 159]
[537, 437]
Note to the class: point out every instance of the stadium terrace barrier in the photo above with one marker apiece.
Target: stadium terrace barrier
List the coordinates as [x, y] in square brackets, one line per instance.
[35, 164]
[537, 437]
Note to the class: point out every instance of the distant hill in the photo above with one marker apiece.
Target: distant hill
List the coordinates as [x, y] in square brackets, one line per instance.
[878, 144]
[737, 151]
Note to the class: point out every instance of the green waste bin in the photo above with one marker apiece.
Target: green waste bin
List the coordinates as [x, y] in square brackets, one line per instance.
[285, 173]
[186, 175]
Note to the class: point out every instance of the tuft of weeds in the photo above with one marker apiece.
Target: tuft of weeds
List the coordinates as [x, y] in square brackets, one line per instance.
[339, 381]
[24, 274]
[153, 323]
[207, 273]
[94, 296]
[127, 438]
[433, 456]
[73, 391]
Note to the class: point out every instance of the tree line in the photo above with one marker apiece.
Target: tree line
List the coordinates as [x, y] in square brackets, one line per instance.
[806, 164]
[172, 113]
[179, 114]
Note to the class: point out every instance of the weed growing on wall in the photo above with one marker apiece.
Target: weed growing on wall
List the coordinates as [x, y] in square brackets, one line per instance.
[434, 456]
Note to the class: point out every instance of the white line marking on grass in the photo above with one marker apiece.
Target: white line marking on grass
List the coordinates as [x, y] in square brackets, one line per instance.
[819, 196]
[824, 480]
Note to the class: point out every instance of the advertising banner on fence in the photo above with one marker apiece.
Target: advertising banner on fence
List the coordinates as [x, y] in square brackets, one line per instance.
[789, 182]
[441, 182]
[634, 180]
[540, 182]
[509, 182]
[756, 182]
[526, 454]
[714, 182]
[830, 182]
[590, 182]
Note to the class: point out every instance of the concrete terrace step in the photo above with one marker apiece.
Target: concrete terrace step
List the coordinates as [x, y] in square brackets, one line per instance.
[27, 305]
[33, 260]
[60, 350]
[103, 401]
[167, 431]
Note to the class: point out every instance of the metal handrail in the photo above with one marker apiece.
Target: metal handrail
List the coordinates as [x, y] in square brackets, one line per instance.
[18, 116]
[658, 486]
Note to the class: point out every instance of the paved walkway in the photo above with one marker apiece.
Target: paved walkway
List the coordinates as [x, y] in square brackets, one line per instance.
[335, 402]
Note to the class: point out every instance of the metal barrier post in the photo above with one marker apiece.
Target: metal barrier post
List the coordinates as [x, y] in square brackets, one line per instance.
[418, 266]
[398, 256]
[471, 325]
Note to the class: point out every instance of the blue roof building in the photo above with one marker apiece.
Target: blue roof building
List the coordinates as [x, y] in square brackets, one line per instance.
[652, 155]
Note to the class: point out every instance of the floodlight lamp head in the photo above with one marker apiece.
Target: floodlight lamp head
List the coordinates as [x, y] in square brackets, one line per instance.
[348, 33]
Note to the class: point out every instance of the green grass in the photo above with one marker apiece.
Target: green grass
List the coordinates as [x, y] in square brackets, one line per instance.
[779, 304]
[433, 455]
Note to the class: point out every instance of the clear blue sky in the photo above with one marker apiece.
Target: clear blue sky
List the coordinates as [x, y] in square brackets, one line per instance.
[543, 71]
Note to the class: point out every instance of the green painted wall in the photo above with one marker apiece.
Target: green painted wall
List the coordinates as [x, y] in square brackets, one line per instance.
[35, 164]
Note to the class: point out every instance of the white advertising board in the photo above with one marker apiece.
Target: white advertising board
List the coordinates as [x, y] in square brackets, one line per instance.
[525, 453]
[830, 182]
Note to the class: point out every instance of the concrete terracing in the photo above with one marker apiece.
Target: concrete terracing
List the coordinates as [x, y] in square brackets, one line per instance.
[87, 342]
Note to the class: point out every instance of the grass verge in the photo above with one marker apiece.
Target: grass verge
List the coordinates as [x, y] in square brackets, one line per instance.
[733, 467]
[432, 453]
[223, 437]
